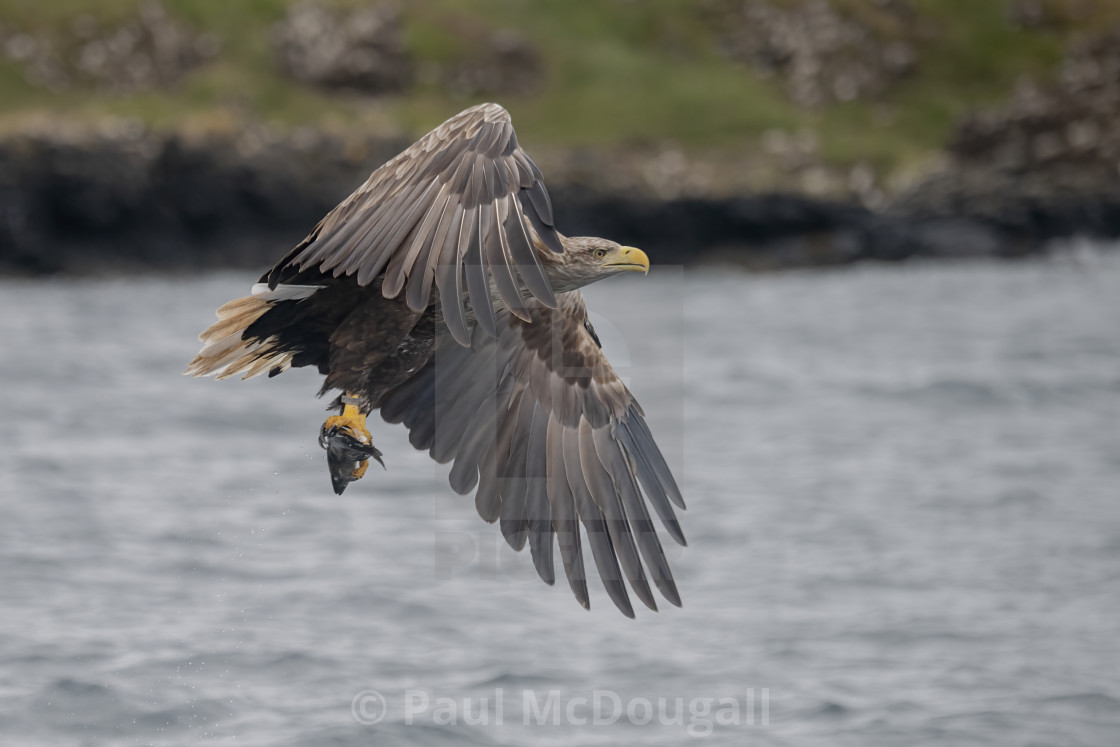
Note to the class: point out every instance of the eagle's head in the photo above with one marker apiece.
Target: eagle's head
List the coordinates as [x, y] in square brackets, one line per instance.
[588, 258]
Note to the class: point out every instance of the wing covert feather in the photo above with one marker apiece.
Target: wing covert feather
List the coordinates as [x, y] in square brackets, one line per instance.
[403, 221]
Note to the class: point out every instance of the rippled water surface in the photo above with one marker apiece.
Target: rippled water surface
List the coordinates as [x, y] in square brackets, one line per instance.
[903, 524]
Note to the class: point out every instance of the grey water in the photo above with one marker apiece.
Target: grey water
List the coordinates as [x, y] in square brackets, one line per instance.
[904, 528]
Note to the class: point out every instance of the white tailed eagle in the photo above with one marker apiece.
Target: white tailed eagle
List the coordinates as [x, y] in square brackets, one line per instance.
[441, 294]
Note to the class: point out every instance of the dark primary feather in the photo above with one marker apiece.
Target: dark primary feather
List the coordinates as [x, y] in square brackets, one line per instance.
[564, 520]
[536, 497]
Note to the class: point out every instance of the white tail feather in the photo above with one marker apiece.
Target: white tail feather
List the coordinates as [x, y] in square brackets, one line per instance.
[225, 354]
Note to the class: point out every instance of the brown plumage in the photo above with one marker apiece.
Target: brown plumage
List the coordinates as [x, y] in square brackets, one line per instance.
[441, 294]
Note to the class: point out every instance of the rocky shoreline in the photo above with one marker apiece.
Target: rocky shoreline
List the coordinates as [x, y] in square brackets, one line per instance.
[133, 200]
[118, 196]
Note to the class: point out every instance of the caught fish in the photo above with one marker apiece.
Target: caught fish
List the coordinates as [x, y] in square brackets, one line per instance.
[347, 454]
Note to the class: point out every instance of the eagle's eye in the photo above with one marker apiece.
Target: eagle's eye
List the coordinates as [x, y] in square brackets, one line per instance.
[600, 253]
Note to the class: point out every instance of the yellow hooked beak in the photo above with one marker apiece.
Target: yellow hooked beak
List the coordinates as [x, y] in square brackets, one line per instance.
[628, 258]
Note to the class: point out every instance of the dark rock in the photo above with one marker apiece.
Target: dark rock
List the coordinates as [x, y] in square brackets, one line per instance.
[1048, 15]
[785, 230]
[142, 200]
[497, 62]
[130, 199]
[1044, 165]
[1071, 120]
[821, 54]
[1024, 209]
[150, 50]
[361, 49]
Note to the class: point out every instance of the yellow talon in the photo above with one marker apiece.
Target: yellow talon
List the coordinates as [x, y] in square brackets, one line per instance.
[352, 419]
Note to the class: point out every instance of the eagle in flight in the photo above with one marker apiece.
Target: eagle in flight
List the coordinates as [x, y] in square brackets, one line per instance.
[441, 294]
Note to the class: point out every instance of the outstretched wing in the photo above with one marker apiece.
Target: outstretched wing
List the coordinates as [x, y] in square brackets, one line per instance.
[462, 199]
[539, 422]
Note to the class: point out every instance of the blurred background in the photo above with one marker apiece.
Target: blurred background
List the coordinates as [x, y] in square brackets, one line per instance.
[879, 347]
[769, 133]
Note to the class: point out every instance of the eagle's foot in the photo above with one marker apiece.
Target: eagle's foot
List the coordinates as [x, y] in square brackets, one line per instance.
[360, 471]
[349, 445]
[354, 426]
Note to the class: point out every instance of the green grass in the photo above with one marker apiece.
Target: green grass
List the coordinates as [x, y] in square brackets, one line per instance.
[617, 73]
